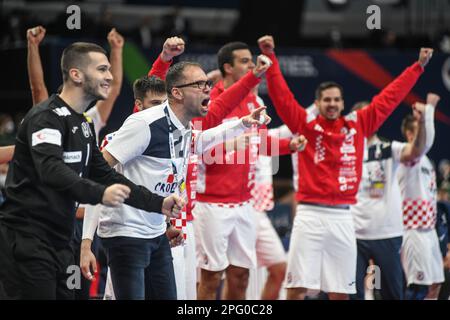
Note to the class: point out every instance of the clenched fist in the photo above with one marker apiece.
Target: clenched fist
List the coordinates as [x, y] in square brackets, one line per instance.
[35, 35]
[172, 47]
[266, 44]
[298, 143]
[263, 63]
[172, 206]
[115, 195]
[115, 39]
[425, 56]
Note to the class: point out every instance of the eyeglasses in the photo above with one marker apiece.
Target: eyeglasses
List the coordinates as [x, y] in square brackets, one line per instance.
[201, 84]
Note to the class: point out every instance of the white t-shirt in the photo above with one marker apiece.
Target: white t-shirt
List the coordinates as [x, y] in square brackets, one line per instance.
[378, 211]
[142, 148]
[418, 187]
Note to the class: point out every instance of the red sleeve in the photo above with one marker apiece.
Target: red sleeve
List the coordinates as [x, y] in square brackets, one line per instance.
[160, 68]
[272, 146]
[383, 104]
[288, 109]
[225, 103]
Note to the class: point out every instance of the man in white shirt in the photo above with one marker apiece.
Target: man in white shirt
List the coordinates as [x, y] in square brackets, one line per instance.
[421, 255]
[378, 213]
[158, 144]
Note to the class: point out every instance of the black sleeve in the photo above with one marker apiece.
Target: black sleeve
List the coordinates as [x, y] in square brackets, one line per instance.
[140, 197]
[45, 133]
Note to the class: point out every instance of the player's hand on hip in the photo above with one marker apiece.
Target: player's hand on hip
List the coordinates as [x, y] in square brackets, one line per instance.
[172, 206]
[115, 195]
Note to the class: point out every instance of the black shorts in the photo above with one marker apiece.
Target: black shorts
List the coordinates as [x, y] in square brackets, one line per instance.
[30, 268]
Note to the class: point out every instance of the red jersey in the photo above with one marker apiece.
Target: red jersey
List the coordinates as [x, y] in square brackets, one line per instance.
[230, 180]
[331, 164]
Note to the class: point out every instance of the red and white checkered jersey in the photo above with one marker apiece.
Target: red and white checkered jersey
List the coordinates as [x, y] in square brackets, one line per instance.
[418, 187]
[262, 192]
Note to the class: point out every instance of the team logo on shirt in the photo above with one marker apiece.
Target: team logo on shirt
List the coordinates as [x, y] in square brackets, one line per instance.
[86, 129]
[167, 187]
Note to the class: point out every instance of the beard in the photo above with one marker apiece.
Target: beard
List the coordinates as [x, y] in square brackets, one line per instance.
[91, 90]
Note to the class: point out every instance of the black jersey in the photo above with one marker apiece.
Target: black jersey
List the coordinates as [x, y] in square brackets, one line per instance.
[57, 165]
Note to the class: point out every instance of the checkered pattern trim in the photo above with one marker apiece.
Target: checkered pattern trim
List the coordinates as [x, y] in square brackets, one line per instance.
[263, 197]
[232, 205]
[419, 214]
[180, 223]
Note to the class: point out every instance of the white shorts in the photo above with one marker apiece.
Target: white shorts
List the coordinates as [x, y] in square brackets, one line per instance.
[322, 253]
[269, 249]
[225, 236]
[421, 257]
[185, 266]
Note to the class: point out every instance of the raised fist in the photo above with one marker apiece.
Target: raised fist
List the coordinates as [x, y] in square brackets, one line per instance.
[172, 47]
[115, 39]
[425, 56]
[266, 44]
[262, 64]
[35, 35]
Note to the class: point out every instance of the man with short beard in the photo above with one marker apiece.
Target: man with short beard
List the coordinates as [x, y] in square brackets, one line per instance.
[322, 255]
[56, 165]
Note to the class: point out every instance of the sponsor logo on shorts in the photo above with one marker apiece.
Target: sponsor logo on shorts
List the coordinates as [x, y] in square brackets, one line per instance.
[420, 275]
[289, 277]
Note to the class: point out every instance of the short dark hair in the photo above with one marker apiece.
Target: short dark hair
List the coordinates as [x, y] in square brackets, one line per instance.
[327, 85]
[148, 83]
[408, 124]
[360, 104]
[225, 54]
[74, 56]
[175, 75]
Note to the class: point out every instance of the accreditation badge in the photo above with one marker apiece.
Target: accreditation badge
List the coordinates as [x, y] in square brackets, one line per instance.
[376, 189]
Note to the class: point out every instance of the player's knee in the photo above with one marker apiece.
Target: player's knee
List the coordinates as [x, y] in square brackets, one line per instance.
[238, 277]
[277, 271]
[211, 279]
